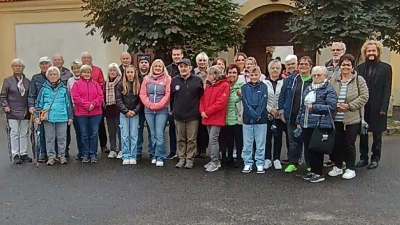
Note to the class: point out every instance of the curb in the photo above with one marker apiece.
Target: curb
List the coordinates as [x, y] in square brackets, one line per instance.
[392, 130]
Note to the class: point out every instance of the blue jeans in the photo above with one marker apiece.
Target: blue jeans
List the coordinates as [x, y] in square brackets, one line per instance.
[129, 135]
[256, 132]
[78, 136]
[172, 135]
[89, 127]
[156, 123]
[140, 139]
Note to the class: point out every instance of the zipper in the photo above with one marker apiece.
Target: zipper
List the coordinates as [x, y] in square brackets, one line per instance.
[155, 89]
[291, 105]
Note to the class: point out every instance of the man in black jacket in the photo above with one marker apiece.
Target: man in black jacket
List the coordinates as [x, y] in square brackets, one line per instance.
[379, 81]
[186, 91]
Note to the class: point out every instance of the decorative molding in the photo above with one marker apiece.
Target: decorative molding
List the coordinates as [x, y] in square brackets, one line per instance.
[40, 6]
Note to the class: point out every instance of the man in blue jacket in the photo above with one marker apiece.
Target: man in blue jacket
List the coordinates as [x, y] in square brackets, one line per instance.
[289, 106]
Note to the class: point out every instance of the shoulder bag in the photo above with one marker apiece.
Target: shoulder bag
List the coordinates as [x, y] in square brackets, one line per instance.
[44, 113]
[323, 140]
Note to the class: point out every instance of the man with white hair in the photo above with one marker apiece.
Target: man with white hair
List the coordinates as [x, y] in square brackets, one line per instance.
[290, 65]
[338, 49]
[126, 60]
[58, 61]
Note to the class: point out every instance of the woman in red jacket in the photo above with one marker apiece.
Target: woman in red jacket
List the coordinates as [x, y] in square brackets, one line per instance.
[213, 111]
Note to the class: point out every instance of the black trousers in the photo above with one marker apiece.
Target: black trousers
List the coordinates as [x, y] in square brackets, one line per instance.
[278, 136]
[68, 138]
[345, 149]
[202, 138]
[316, 159]
[233, 135]
[376, 146]
[295, 146]
[102, 134]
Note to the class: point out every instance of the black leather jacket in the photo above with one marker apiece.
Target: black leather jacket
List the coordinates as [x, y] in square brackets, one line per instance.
[129, 101]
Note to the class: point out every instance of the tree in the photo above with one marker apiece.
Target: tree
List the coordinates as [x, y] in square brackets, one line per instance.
[211, 26]
[318, 23]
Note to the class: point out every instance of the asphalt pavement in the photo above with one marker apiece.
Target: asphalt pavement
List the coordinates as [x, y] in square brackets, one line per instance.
[109, 193]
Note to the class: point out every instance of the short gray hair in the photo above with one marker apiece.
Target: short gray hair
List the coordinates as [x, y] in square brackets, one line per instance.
[51, 69]
[17, 62]
[275, 61]
[290, 58]
[216, 70]
[322, 68]
[201, 55]
[341, 43]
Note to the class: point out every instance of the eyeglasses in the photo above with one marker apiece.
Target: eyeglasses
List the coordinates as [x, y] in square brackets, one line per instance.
[317, 75]
[304, 64]
[347, 64]
[336, 50]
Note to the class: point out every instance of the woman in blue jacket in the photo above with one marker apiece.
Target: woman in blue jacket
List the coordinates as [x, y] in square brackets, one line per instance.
[318, 100]
[55, 99]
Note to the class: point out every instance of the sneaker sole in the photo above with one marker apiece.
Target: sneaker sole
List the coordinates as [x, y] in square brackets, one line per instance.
[211, 170]
[335, 175]
[246, 171]
[291, 171]
[260, 172]
[348, 178]
[317, 181]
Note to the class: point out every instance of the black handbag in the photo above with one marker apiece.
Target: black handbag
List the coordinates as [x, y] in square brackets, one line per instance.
[323, 140]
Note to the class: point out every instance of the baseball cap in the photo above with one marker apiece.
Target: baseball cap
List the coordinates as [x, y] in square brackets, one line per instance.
[44, 59]
[186, 61]
[144, 57]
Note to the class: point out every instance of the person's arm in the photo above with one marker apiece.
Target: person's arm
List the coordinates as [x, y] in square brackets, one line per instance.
[221, 101]
[4, 94]
[247, 108]
[39, 103]
[172, 97]
[68, 104]
[101, 78]
[387, 90]
[261, 107]
[138, 107]
[362, 98]
[143, 94]
[282, 96]
[78, 100]
[32, 94]
[165, 99]
[99, 99]
[201, 88]
[330, 103]
[120, 102]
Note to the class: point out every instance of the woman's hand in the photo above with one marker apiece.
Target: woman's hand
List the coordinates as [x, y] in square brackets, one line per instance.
[298, 126]
[69, 122]
[90, 107]
[309, 107]
[203, 114]
[239, 92]
[274, 111]
[37, 120]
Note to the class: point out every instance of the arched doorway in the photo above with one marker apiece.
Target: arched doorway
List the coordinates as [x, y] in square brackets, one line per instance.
[268, 31]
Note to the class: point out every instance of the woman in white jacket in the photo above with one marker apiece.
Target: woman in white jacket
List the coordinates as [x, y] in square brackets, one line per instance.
[275, 125]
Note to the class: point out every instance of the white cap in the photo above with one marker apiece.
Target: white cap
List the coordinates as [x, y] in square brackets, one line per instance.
[44, 59]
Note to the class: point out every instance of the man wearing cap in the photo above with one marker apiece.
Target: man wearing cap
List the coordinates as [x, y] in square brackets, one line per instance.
[34, 89]
[144, 65]
[126, 60]
[186, 91]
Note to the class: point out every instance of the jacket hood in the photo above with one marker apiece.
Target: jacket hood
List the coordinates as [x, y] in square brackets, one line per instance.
[47, 84]
[218, 82]
[353, 75]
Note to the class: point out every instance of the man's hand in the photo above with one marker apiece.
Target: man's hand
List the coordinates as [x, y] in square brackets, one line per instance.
[283, 118]
[298, 126]
[309, 107]
[203, 114]
[7, 109]
[274, 112]
[69, 122]
[37, 120]
[32, 110]
[382, 113]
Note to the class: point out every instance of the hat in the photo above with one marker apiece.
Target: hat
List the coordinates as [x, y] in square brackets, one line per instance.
[186, 61]
[44, 59]
[144, 57]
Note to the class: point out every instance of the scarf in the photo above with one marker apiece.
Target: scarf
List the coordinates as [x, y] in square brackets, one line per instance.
[20, 85]
[110, 90]
[155, 77]
[312, 95]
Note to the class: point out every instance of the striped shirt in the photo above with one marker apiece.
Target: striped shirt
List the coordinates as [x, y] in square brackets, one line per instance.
[341, 99]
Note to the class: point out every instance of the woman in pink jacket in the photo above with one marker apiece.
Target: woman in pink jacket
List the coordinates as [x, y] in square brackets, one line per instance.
[155, 96]
[88, 98]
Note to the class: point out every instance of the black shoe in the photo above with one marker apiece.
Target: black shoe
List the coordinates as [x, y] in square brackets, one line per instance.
[17, 159]
[172, 156]
[329, 164]
[85, 160]
[308, 176]
[67, 153]
[78, 156]
[238, 164]
[373, 165]
[93, 160]
[362, 163]
[229, 162]
[26, 159]
[285, 162]
[138, 157]
[105, 149]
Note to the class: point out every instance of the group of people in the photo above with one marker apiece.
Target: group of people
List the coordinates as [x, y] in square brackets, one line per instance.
[210, 110]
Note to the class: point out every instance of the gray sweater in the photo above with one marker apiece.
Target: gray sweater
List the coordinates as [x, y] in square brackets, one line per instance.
[11, 97]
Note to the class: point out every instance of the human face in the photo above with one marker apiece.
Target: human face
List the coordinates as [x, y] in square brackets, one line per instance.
[318, 76]
[346, 67]
[274, 70]
[177, 55]
[184, 69]
[337, 51]
[76, 71]
[125, 59]
[158, 68]
[210, 76]
[53, 76]
[304, 67]
[240, 61]
[130, 73]
[249, 64]
[44, 66]
[86, 59]
[144, 66]
[17, 68]
[371, 52]
[112, 73]
[58, 61]
[221, 64]
[233, 75]
[254, 77]
[202, 63]
[86, 74]
[291, 66]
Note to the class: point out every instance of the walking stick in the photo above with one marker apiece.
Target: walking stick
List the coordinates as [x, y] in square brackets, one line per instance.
[8, 130]
[33, 141]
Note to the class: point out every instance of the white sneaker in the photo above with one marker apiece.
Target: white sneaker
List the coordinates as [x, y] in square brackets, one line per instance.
[159, 163]
[132, 161]
[125, 162]
[349, 174]
[260, 169]
[119, 156]
[246, 169]
[112, 155]
[277, 165]
[335, 172]
[267, 164]
[153, 161]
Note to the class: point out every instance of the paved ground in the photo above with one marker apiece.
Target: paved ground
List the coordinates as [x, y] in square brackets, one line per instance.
[109, 193]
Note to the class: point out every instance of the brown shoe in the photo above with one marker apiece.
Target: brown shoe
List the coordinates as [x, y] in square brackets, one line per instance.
[63, 160]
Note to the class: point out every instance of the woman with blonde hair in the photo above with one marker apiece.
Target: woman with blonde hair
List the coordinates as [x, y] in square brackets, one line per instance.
[202, 66]
[155, 95]
[111, 110]
[129, 105]
[249, 63]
